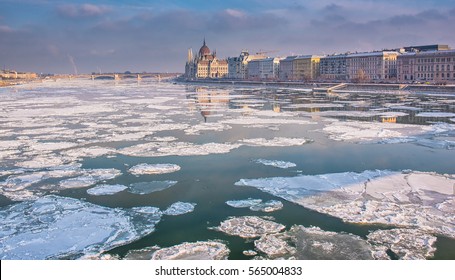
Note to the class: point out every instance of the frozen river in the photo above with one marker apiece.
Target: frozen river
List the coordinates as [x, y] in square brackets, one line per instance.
[105, 169]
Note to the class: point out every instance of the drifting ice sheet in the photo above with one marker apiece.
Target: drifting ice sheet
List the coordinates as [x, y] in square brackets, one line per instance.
[106, 189]
[179, 208]
[55, 227]
[407, 244]
[276, 163]
[150, 187]
[145, 168]
[275, 142]
[409, 199]
[201, 250]
[249, 226]
[256, 204]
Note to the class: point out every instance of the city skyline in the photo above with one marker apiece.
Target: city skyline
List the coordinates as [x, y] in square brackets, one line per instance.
[76, 36]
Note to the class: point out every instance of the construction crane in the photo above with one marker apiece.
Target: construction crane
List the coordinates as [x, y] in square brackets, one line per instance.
[263, 52]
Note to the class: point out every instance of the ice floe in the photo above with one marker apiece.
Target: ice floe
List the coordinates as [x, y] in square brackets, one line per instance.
[90, 177]
[436, 115]
[388, 133]
[179, 208]
[256, 204]
[313, 243]
[161, 168]
[273, 246]
[268, 206]
[406, 244]
[201, 250]
[249, 226]
[276, 163]
[106, 189]
[90, 152]
[244, 203]
[274, 142]
[150, 187]
[407, 199]
[197, 129]
[156, 149]
[54, 227]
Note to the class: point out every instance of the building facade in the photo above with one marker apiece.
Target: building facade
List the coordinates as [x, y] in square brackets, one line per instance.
[205, 65]
[299, 68]
[372, 66]
[428, 66]
[264, 69]
[238, 66]
[333, 67]
[306, 67]
[286, 72]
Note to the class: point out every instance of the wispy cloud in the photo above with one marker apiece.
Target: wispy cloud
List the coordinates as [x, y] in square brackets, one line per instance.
[82, 11]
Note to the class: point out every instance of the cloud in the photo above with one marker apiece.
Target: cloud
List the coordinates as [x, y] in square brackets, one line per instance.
[5, 29]
[102, 52]
[82, 11]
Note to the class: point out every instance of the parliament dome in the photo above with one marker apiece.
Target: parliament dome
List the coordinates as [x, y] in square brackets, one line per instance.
[204, 50]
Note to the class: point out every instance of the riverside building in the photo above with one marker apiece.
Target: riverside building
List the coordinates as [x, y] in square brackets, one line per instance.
[264, 69]
[238, 66]
[333, 67]
[372, 66]
[299, 68]
[205, 65]
[427, 66]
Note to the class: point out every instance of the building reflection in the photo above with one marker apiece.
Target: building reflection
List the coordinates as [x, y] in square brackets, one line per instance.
[208, 102]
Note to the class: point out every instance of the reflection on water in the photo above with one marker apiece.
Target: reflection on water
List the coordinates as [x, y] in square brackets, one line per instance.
[392, 108]
[216, 135]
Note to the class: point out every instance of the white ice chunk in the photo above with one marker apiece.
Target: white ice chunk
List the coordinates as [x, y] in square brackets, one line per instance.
[90, 177]
[156, 149]
[150, 187]
[276, 163]
[249, 226]
[407, 244]
[106, 189]
[201, 250]
[179, 208]
[410, 198]
[245, 203]
[436, 115]
[145, 168]
[55, 227]
[275, 142]
[268, 206]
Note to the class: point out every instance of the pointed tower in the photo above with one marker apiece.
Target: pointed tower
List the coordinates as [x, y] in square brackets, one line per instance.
[190, 55]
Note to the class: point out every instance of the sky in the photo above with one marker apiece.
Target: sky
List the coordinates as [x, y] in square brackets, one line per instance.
[55, 36]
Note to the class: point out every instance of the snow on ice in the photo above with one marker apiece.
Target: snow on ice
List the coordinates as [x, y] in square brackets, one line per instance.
[201, 250]
[407, 199]
[256, 204]
[179, 208]
[276, 163]
[249, 226]
[145, 168]
[54, 227]
[106, 189]
[406, 244]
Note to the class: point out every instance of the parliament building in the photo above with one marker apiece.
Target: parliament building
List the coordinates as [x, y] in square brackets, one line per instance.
[205, 65]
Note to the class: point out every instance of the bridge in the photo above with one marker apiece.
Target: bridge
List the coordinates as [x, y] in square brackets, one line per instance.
[137, 76]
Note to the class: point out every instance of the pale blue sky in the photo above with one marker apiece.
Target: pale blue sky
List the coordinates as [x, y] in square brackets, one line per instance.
[43, 35]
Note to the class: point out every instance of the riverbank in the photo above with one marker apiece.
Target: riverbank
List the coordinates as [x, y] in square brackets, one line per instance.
[332, 87]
